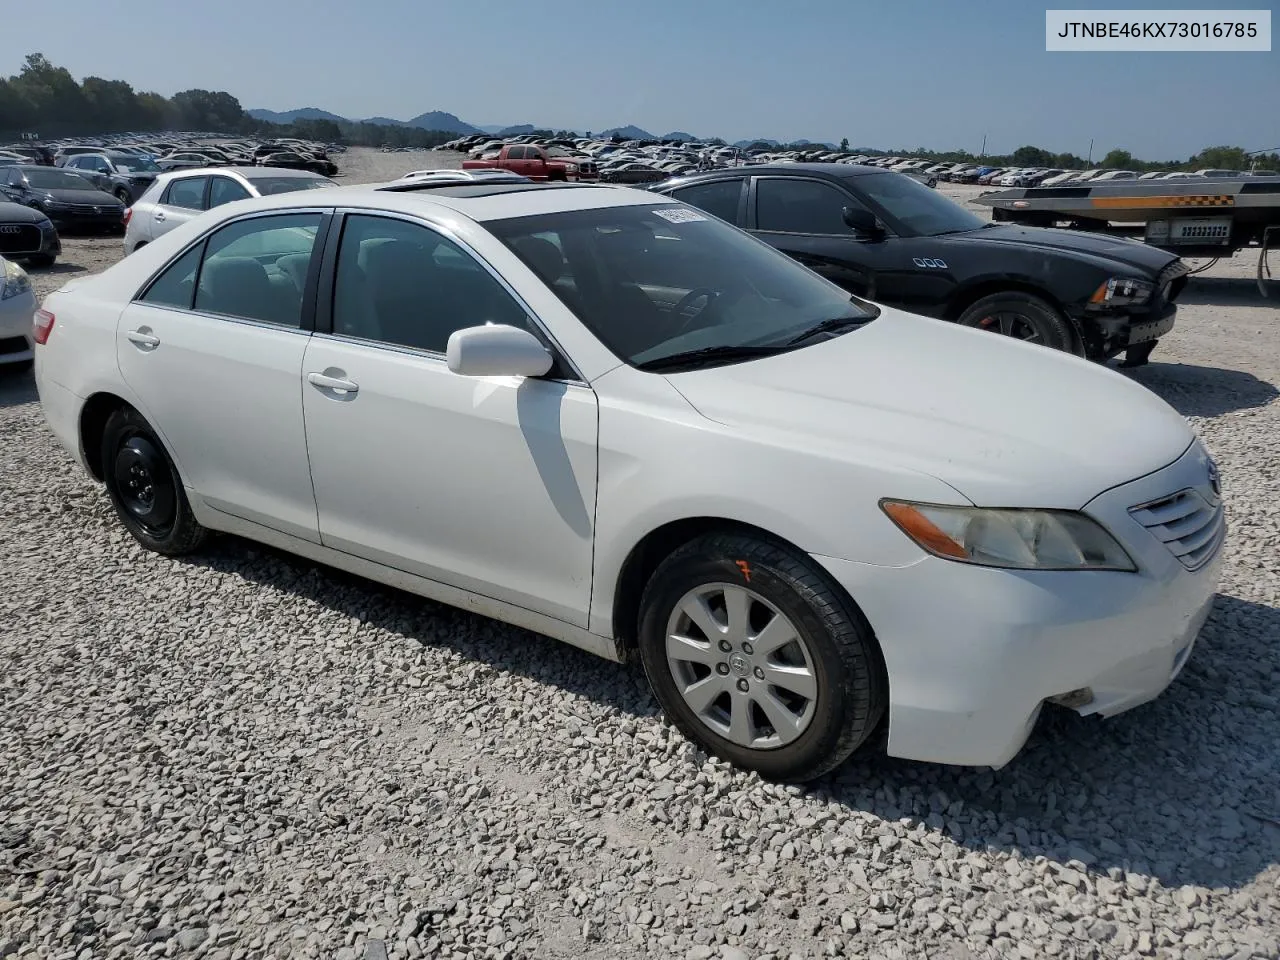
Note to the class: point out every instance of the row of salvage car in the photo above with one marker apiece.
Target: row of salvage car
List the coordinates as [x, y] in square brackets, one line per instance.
[682, 426]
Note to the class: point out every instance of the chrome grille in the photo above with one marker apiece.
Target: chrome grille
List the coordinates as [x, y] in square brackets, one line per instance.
[1191, 527]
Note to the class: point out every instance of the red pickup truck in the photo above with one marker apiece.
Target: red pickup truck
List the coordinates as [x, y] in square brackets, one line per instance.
[533, 162]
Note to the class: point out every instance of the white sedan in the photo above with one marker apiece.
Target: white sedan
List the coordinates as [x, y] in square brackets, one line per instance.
[616, 420]
[17, 307]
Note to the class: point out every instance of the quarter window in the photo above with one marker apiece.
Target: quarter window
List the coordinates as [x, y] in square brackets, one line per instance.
[188, 193]
[225, 190]
[177, 285]
[401, 283]
[257, 269]
[787, 205]
[719, 198]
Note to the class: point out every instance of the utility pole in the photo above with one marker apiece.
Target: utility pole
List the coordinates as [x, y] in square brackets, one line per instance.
[1089, 162]
[984, 147]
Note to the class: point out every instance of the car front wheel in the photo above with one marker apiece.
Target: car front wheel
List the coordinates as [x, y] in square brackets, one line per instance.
[1022, 316]
[145, 488]
[757, 657]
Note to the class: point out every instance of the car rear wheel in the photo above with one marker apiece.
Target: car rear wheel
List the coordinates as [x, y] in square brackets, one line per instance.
[758, 658]
[122, 195]
[145, 488]
[43, 260]
[1022, 316]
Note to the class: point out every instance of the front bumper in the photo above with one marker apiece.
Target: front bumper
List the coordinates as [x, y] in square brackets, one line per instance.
[16, 315]
[109, 218]
[974, 653]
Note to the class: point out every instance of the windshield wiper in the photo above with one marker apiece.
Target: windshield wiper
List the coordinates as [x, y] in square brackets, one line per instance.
[704, 355]
[827, 326]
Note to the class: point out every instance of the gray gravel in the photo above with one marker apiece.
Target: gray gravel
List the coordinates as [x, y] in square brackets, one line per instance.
[245, 755]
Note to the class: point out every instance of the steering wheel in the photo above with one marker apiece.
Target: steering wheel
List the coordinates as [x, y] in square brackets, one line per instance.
[681, 311]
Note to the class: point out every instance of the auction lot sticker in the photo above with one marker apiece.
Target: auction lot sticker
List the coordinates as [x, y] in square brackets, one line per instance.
[676, 215]
[1121, 31]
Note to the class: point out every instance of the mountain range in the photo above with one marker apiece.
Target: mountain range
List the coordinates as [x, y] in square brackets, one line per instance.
[440, 120]
[450, 123]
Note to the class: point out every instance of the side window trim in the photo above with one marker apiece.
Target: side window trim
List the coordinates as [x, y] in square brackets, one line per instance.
[328, 263]
[754, 210]
[307, 322]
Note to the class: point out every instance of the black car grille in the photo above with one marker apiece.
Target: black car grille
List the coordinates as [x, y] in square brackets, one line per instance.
[1171, 280]
[13, 345]
[19, 238]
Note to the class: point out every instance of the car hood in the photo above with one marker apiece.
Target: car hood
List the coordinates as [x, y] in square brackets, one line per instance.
[1132, 253]
[19, 213]
[95, 197]
[1003, 422]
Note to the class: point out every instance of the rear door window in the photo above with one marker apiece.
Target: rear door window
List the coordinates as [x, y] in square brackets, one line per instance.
[719, 198]
[225, 190]
[187, 192]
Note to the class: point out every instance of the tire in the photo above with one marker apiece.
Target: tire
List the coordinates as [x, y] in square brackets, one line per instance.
[834, 656]
[1021, 315]
[123, 196]
[133, 455]
[43, 260]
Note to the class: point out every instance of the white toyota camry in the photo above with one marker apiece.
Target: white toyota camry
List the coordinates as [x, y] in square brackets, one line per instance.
[616, 420]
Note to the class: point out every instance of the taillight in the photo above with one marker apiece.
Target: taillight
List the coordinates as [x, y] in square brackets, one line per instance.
[128, 212]
[42, 326]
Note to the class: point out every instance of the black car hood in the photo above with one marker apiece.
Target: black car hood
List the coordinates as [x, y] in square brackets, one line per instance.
[1133, 253]
[17, 213]
[95, 197]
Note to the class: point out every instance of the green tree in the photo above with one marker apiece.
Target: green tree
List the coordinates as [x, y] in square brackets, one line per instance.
[1031, 157]
[1119, 160]
[1220, 158]
[844, 144]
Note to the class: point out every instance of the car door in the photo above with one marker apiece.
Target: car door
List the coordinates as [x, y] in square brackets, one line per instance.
[485, 484]
[182, 200]
[213, 349]
[803, 217]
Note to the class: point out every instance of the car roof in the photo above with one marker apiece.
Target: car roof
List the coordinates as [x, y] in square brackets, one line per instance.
[477, 201]
[249, 173]
[835, 171]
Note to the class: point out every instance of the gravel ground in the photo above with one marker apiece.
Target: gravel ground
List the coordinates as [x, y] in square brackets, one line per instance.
[246, 755]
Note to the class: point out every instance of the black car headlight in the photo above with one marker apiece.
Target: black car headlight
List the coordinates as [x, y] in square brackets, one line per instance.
[1123, 292]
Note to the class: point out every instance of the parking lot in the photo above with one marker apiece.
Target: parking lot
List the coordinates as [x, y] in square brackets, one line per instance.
[248, 755]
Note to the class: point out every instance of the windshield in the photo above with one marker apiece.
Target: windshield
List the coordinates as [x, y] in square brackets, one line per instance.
[654, 281]
[57, 180]
[135, 165]
[919, 208]
[266, 186]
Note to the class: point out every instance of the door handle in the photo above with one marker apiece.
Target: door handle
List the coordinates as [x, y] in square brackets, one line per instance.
[143, 339]
[326, 382]
[159, 214]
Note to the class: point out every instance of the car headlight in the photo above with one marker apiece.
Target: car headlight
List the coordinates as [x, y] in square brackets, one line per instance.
[1123, 291]
[1013, 539]
[13, 280]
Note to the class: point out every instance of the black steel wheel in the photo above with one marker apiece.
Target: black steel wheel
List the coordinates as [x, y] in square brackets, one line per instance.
[144, 486]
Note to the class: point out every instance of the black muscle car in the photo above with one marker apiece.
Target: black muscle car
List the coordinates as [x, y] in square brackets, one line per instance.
[889, 238]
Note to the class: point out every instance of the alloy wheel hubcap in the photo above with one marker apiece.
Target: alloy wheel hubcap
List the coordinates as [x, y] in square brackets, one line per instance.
[741, 666]
[1010, 325]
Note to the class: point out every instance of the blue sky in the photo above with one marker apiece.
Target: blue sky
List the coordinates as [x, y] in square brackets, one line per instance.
[902, 73]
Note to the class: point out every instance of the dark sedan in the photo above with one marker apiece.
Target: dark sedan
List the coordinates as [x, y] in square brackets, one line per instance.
[123, 175]
[66, 198]
[27, 234]
[889, 238]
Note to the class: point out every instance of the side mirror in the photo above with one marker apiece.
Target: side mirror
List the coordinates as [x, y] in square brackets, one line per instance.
[497, 350]
[862, 221]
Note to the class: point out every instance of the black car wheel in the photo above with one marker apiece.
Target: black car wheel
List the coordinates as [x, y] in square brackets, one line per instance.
[145, 488]
[122, 195]
[1023, 316]
[756, 656]
[43, 260]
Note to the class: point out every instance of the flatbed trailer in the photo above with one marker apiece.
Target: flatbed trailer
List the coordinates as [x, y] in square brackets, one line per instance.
[1202, 217]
